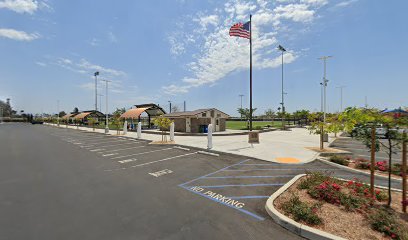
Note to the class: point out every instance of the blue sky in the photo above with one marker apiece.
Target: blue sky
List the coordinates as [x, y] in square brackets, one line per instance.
[156, 51]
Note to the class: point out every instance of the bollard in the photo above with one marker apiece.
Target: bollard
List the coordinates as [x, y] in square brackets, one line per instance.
[139, 130]
[209, 136]
[172, 132]
[125, 128]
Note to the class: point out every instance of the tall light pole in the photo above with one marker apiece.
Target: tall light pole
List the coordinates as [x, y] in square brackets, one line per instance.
[96, 90]
[341, 97]
[282, 49]
[325, 81]
[170, 106]
[106, 113]
[100, 101]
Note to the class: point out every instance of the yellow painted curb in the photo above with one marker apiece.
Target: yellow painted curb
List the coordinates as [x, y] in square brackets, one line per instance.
[287, 160]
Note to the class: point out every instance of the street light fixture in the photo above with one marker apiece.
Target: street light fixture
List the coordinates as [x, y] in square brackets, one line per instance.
[96, 90]
[106, 113]
[282, 49]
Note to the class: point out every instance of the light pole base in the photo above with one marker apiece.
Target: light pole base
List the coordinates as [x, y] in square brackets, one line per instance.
[106, 130]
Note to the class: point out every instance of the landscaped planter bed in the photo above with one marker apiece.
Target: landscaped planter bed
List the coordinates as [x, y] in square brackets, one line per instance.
[381, 167]
[327, 213]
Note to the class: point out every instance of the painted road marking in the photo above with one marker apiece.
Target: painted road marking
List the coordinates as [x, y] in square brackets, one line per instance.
[235, 204]
[115, 145]
[109, 154]
[148, 163]
[128, 160]
[276, 176]
[182, 148]
[161, 173]
[135, 154]
[117, 150]
[244, 185]
[279, 169]
[96, 150]
[165, 159]
[249, 197]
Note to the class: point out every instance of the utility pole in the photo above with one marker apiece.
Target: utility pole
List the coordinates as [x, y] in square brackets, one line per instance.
[96, 90]
[169, 106]
[341, 97]
[106, 116]
[282, 49]
[100, 101]
[325, 81]
[184, 106]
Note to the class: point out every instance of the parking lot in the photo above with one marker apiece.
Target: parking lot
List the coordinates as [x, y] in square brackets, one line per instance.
[83, 185]
[359, 150]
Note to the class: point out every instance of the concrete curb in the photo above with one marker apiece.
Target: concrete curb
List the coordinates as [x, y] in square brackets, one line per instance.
[291, 225]
[355, 170]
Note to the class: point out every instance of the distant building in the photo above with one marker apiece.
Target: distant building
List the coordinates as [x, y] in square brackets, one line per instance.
[197, 121]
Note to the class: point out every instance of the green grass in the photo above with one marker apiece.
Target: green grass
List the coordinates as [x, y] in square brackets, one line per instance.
[242, 125]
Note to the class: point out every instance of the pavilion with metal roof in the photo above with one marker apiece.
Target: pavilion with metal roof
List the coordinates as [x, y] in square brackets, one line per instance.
[152, 110]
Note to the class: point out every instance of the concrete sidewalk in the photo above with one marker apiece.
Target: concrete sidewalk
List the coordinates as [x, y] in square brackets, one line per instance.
[276, 146]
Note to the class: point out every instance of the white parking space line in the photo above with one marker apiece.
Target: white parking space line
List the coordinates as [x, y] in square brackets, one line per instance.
[97, 150]
[108, 141]
[109, 154]
[165, 159]
[122, 149]
[115, 145]
[128, 160]
[141, 153]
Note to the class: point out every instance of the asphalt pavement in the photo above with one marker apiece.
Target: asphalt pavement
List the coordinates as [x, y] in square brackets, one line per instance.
[58, 183]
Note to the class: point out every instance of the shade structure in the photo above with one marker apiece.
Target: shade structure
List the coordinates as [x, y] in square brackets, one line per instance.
[68, 116]
[133, 113]
[82, 115]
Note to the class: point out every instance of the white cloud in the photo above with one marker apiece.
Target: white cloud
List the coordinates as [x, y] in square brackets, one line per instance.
[345, 3]
[204, 21]
[20, 6]
[217, 54]
[295, 12]
[85, 67]
[18, 35]
[41, 64]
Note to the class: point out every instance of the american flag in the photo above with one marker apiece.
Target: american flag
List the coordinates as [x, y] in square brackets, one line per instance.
[241, 30]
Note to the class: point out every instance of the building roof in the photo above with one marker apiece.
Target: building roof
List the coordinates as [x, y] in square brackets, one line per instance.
[133, 113]
[84, 114]
[151, 109]
[69, 116]
[191, 113]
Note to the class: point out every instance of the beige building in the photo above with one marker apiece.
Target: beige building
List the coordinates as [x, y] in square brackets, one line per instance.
[197, 121]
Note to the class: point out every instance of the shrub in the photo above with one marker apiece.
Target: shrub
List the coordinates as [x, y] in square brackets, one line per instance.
[339, 160]
[382, 166]
[301, 211]
[362, 163]
[383, 220]
[381, 195]
[312, 180]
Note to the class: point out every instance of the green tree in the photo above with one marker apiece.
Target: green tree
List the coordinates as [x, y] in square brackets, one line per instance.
[164, 124]
[301, 116]
[92, 122]
[270, 114]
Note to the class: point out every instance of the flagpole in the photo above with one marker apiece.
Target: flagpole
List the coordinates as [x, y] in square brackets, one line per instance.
[250, 73]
